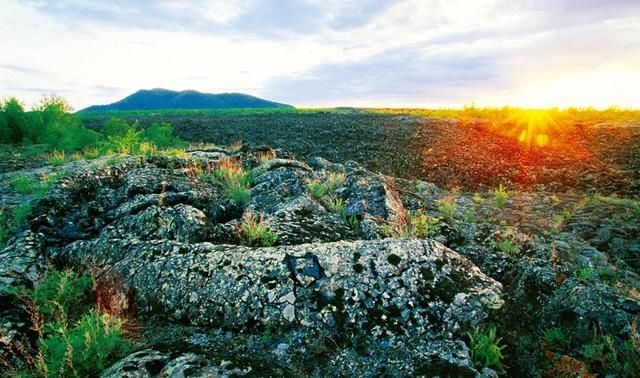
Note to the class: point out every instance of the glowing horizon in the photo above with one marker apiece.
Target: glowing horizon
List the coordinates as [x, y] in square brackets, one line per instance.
[310, 53]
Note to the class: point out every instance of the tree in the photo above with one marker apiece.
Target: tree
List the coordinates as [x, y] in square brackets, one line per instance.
[13, 112]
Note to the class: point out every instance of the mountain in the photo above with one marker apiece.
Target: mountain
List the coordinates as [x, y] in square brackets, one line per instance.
[158, 99]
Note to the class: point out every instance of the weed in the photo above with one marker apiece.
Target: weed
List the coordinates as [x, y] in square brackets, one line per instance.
[470, 215]
[336, 205]
[500, 197]
[235, 180]
[256, 233]
[57, 157]
[607, 274]
[506, 246]
[23, 185]
[265, 156]
[321, 188]
[447, 207]
[584, 274]
[20, 214]
[556, 339]
[4, 229]
[486, 350]
[422, 225]
[352, 220]
[477, 199]
[73, 339]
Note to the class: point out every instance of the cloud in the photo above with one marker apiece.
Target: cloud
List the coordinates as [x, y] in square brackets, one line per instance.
[321, 52]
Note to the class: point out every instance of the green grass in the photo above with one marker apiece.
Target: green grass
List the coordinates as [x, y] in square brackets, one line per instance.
[256, 232]
[335, 205]
[447, 207]
[235, 180]
[556, 339]
[500, 197]
[506, 246]
[23, 184]
[73, 338]
[486, 350]
[321, 188]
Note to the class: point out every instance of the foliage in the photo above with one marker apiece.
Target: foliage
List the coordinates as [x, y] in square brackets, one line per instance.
[336, 205]
[57, 157]
[12, 219]
[160, 134]
[234, 179]
[500, 197]
[352, 220]
[421, 225]
[608, 354]
[447, 207]
[486, 350]
[257, 232]
[556, 339]
[73, 339]
[13, 122]
[23, 184]
[321, 188]
[584, 274]
[506, 246]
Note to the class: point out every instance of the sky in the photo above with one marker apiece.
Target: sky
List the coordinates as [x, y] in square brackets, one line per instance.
[319, 53]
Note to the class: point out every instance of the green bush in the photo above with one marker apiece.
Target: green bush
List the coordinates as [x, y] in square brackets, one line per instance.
[256, 232]
[23, 185]
[121, 137]
[486, 350]
[161, 135]
[85, 349]
[336, 205]
[73, 339]
[447, 207]
[14, 120]
[234, 180]
[500, 197]
[506, 246]
[321, 188]
[556, 339]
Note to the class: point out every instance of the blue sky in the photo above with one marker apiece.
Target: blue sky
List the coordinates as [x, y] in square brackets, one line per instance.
[418, 53]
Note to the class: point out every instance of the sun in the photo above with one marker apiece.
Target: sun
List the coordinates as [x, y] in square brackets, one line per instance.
[532, 127]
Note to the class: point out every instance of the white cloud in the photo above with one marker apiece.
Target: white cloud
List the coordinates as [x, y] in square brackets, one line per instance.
[330, 52]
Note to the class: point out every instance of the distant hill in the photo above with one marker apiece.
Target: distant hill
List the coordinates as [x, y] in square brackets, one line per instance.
[159, 99]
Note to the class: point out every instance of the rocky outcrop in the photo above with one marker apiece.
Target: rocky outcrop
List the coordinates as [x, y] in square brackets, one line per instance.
[415, 296]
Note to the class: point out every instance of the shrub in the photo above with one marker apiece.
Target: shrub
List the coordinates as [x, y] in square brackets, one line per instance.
[235, 180]
[14, 120]
[500, 197]
[161, 134]
[447, 207]
[20, 214]
[352, 220]
[122, 137]
[57, 157]
[422, 225]
[506, 246]
[256, 232]
[556, 339]
[23, 185]
[485, 349]
[73, 339]
[321, 188]
[4, 229]
[336, 205]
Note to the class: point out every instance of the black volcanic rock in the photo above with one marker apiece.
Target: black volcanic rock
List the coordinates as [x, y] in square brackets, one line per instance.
[158, 99]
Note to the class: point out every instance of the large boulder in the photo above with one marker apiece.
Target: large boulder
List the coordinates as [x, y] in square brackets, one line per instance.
[416, 298]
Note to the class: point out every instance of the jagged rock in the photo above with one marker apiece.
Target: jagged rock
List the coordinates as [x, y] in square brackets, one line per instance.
[24, 260]
[415, 295]
[152, 363]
